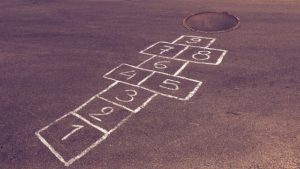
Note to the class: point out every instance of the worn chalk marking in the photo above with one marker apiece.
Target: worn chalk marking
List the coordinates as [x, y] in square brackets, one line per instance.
[124, 107]
[181, 69]
[129, 74]
[103, 113]
[212, 40]
[146, 61]
[134, 67]
[181, 52]
[76, 128]
[156, 92]
[168, 48]
[129, 92]
[52, 150]
[170, 82]
[203, 53]
[195, 39]
[88, 122]
[180, 77]
[151, 54]
[146, 78]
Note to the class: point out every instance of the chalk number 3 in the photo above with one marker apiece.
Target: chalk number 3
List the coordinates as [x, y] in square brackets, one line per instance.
[130, 94]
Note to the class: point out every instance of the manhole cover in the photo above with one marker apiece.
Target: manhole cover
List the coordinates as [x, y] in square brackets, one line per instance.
[211, 22]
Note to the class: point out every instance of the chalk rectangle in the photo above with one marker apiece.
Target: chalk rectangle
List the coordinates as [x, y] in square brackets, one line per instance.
[128, 73]
[165, 65]
[68, 137]
[128, 96]
[102, 114]
[202, 55]
[199, 41]
[172, 86]
[165, 49]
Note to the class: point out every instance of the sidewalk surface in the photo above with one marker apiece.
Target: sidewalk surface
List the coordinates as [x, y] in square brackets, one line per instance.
[112, 84]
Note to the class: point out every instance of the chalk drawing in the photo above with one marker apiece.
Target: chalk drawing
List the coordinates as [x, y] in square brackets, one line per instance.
[195, 41]
[178, 50]
[76, 128]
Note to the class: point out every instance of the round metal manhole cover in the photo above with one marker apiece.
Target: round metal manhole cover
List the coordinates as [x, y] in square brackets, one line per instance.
[211, 22]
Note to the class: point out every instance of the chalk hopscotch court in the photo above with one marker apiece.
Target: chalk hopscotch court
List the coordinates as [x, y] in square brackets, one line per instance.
[76, 133]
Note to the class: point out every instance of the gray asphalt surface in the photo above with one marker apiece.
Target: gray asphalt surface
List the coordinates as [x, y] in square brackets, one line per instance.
[53, 55]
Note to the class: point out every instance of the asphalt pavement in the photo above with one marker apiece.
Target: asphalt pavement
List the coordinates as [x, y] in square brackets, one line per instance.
[122, 84]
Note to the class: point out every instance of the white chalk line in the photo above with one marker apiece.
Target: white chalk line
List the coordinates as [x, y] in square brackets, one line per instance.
[64, 116]
[158, 72]
[146, 61]
[116, 104]
[192, 93]
[191, 61]
[219, 61]
[52, 150]
[83, 153]
[122, 64]
[125, 107]
[77, 127]
[212, 40]
[143, 51]
[156, 92]
[181, 52]
[186, 48]
[146, 78]
[181, 68]
[72, 160]
[88, 122]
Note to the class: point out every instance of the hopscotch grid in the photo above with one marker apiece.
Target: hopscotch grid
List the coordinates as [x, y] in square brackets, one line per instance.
[98, 95]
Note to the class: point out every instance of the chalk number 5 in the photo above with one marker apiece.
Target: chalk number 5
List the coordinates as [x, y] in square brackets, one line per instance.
[170, 84]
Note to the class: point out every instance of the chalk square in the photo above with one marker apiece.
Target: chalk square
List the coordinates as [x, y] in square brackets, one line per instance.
[129, 97]
[68, 137]
[194, 41]
[203, 55]
[127, 73]
[103, 114]
[177, 87]
[165, 65]
[165, 49]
